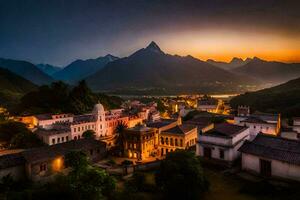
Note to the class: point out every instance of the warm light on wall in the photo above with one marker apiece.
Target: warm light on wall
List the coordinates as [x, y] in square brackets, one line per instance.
[57, 164]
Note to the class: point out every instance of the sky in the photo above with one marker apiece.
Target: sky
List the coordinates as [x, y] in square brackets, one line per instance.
[60, 31]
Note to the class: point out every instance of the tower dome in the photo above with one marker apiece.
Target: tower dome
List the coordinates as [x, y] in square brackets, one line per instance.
[98, 108]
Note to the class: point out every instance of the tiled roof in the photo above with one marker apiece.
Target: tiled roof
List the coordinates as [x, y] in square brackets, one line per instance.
[200, 122]
[11, 160]
[83, 118]
[273, 147]
[49, 152]
[160, 123]
[44, 116]
[180, 129]
[254, 120]
[225, 130]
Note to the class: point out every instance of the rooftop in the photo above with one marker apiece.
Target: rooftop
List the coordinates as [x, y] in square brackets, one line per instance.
[161, 123]
[180, 129]
[225, 130]
[200, 122]
[140, 128]
[48, 152]
[273, 147]
[11, 160]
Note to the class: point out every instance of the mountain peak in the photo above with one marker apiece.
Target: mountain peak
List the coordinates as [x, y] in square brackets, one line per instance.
[111, 57]
[236, 60]
[154, 47]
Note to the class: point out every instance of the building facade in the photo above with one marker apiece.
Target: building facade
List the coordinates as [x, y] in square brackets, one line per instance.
[272, 156]
[222, 142]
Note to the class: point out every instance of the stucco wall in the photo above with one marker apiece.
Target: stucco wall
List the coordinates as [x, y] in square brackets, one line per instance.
[279, 168]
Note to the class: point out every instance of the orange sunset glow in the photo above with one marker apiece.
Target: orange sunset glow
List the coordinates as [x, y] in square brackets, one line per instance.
[224, 45]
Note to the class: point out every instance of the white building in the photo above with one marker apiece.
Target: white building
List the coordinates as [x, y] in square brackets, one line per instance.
[272, 156]
[47, 120]
[260, 123]
[222, 142]
[104, 123]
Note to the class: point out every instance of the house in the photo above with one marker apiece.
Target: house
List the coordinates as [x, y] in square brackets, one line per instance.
[274, 156]
[41, 164]
[139, 142]
[59, 134]
[208, 104]
[259, 123]
[222, 142]
[181, 136]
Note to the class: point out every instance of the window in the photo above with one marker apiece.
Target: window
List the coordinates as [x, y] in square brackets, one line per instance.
[62, 139]
[221, 152]
[74, 129]
[176, 142]
[53, 141]
[67, 138]
[181, 143]
[162, 140]
[171, 142]
[58, 140]
[43, 167]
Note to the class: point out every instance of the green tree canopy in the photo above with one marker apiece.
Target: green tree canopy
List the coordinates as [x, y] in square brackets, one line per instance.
[17, 135]
[181, 177]
[60, 97]
[89, 134]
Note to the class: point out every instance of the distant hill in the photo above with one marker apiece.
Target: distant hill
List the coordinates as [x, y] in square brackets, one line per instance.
[270, 72]
[48, 69]
[284, 99]
[234, 63]
[27, 70]
[13, 86]
[151, 69]
[80, 69]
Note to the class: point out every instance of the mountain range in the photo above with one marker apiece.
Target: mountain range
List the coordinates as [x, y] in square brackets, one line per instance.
[284, 99]
[27, 70]
[234, 63]
[48, 69]
[12, 86]
[269, 71]
[151, 69]
[81, 69]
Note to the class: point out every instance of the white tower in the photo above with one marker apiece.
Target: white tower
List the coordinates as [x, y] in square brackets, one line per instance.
[99, 114]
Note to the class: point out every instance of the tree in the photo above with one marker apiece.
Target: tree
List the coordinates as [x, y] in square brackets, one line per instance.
[181, 177]
[77, 160]
[89, 134]
[85, 181]
[120, 136]
[17, 135]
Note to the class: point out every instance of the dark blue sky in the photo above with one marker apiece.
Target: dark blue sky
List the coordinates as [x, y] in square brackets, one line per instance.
[60, 31]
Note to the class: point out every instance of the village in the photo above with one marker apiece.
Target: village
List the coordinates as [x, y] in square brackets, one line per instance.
[137, 137]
